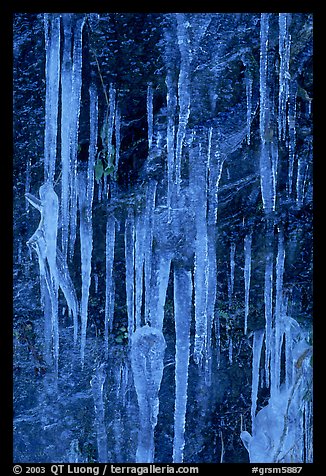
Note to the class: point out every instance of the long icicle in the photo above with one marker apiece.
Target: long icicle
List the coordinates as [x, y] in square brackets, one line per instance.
[130, 270]
[109, 280]
[52, 77]
[183, 92]
[268, 299]
[182, 310]
[66, 117]
[85, 183]
[256, 355]
[75, 112]
[247, 276]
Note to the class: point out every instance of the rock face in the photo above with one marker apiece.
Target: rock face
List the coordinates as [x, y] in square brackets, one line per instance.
[178, 148]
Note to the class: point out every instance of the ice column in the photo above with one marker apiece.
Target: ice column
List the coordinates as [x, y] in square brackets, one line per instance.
[52, 73]
[247, 275]
[147, 355]
[97, 384]
[182, 310]
[109, 280]
[183, 92]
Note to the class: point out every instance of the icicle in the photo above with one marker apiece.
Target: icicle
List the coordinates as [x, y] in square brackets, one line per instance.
[86, 245]
[130, 270]
[256, 355]
[214, 168]
[292, 135]
[232, 267]
[95, 277]
[44, 242]
[182, 311]
[66, 117]
[28, 180]
[147, 355]
[268, 301]
[109, 281]
[97, 384]
[52, 72]
[278, 320]
[249, 107]
[266, 177]
[264, 99]
[117, 140]
[247, 276]
[160, 271]
[211, 299]
[198, 183]
[218, 340]
[149, 216]
[230, 351]
[74, 123]
[284, 75]
[171, 102]
[68, 290]
[183, 92]
[85, 188]
[107, 134]
[140, 236]
[150, 115]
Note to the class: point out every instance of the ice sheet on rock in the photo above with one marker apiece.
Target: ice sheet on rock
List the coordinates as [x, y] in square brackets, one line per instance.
[182, 317]
[278, 429]
[147, 355]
